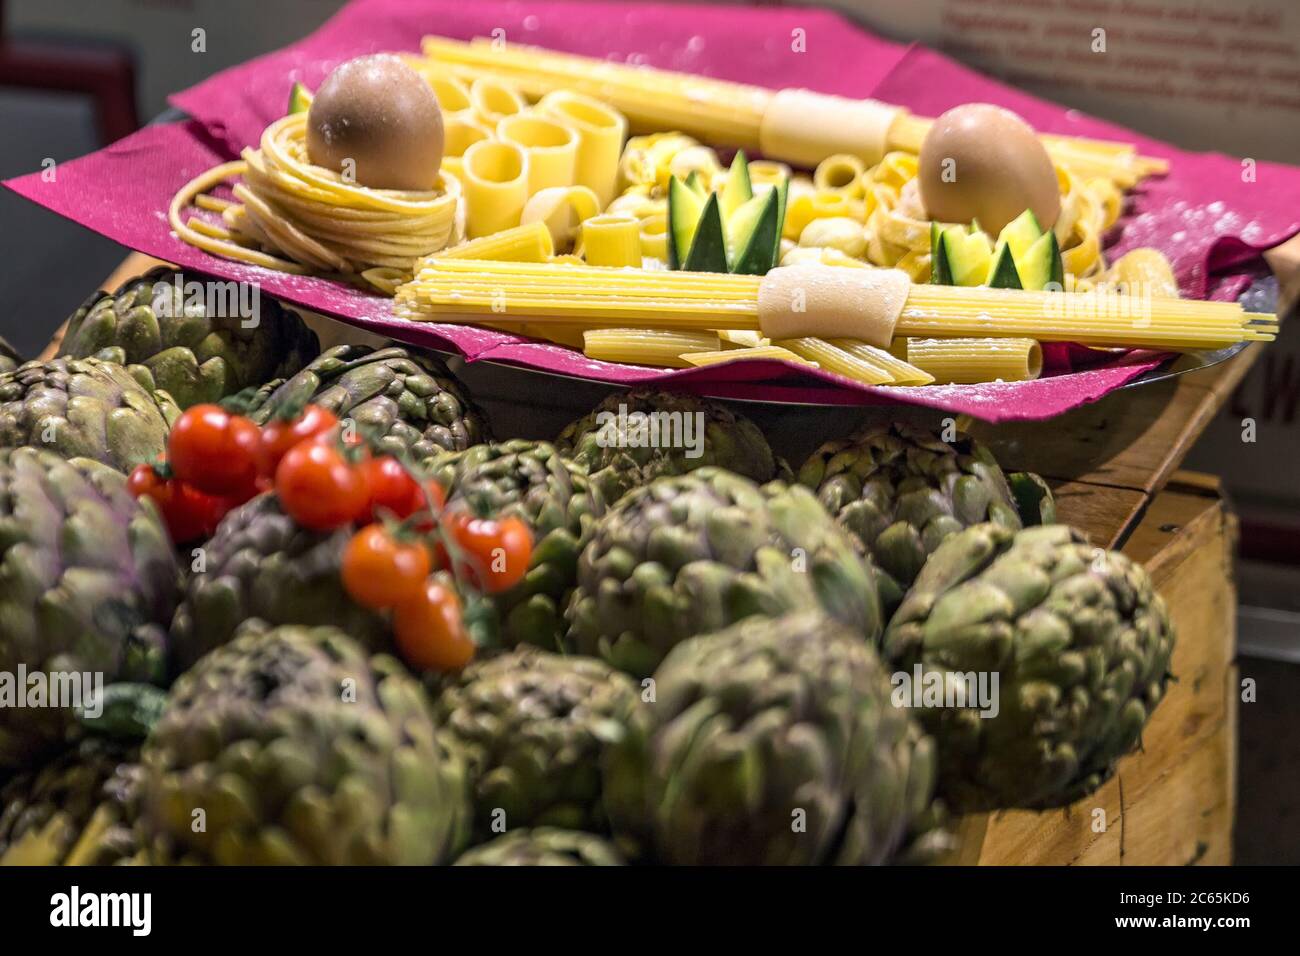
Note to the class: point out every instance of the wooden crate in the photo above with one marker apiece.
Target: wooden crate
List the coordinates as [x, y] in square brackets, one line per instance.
[1172, 803]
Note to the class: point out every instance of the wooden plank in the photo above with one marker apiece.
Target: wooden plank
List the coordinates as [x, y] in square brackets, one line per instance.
[1133, 438]
[1172, 802]
[1100, 511]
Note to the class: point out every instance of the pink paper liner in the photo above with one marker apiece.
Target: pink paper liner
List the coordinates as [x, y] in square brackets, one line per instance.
[1204, 216]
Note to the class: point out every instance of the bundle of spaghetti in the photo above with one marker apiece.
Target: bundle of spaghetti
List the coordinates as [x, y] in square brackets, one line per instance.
[719, 112]
[293, 216]
[969, 361]
[596, 297]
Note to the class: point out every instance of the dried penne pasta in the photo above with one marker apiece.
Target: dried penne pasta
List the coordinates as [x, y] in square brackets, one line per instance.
[647, 346]
[902, 372]
[861, 366]
[527, 243]
[735, 355]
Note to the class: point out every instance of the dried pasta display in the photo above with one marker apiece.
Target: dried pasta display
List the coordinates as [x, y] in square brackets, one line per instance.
[618, 211]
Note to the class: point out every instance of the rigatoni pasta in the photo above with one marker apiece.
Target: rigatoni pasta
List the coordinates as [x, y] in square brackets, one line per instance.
[970, 361]
[612, 241]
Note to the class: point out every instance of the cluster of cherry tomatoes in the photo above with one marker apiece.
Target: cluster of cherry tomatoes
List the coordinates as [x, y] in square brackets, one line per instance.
[326, 479]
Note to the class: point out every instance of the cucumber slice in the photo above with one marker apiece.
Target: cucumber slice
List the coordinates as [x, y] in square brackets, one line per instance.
[736, 189]
[1041, 264]
[940, 271]
[299, 99]
[1003, 274]
[959, 258]
[696, 184]
[783, 197]
[739, 224]
[763, 242]
[969, 257]
[708, 249]
[1021, 233]
[684, 209]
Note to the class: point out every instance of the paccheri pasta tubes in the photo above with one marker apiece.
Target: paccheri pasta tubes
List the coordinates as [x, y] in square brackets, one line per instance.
[495, 177]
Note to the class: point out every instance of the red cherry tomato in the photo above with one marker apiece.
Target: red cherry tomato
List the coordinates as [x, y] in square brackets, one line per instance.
[144, 481]
[280, 435]
[429, 629]
[319, 488]
[434, 498]
[189, 514]
[214, 451]
[495, 553]
[380, 571]
[392, 489]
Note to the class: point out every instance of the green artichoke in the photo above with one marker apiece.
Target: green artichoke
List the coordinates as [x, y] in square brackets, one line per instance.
[291, 745]
[694, 553]
[544, 846]
[261, 563]
[168, 339]
[9, 357]
[902, 490]
[88, 582]
[1077, 639]
[534, 726]
[406, 400]
[771, 742]
[532, 481]
[631, 438]
[84, 408]
[76, 810]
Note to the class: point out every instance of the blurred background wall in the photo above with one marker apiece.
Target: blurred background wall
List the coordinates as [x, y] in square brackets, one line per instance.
[1206, 74]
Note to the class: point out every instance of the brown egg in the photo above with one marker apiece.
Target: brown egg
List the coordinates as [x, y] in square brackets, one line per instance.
[381, 115]
[983, 162]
